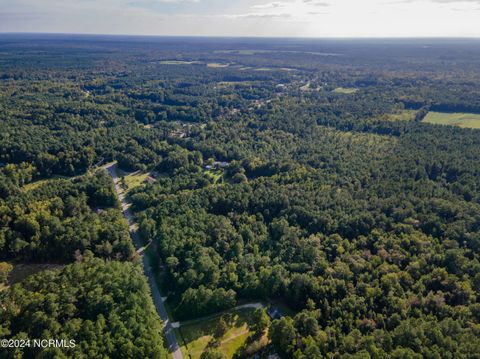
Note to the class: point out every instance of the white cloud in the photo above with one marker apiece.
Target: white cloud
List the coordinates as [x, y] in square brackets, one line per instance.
[155, 2]
[316, 3]
[350, 18]
[270, 5]
[294, 10]
[258, 16]
[455, 1]
[292, 3]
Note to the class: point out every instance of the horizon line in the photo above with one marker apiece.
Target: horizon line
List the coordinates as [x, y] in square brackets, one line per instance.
[436, 37]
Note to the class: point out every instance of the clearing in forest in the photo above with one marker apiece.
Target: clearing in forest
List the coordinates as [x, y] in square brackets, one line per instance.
[179, 62]
[134, 179]
[403, 115]
[345, 90]
[21, 271]
[197, 337]
[217, 65]
[465, 120]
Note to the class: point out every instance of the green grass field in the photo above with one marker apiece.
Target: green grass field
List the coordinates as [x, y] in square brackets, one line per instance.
[39, 183]
[345, 90]
[240, 52]
[404, 115]
[35, 185]
[177, 62]
[216, 175]
[195, 338]
[274, 69]
[133, 179]
[235, 83]
[465, 120]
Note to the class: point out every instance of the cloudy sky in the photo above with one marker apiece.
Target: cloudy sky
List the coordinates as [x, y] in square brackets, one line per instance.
[304, 18]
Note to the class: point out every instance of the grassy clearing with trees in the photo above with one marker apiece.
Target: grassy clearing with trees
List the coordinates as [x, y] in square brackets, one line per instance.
[346, 90]
[464, 120]
[403, 115]
[132, 179]
[226, 333]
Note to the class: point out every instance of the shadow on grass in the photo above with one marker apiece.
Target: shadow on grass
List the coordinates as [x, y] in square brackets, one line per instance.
[234, 319]
[228, 336]
[23, 270]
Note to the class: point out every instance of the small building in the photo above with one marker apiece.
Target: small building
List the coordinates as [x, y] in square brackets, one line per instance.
[178, 134]
[220, 164]
[217, 164]
[274, 313]
[149, 180]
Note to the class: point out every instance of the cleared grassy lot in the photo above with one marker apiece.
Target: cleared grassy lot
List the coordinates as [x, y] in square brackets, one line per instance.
[240, 52]
[345, 90]
[177, 62]
[39, 183]
[465, 120]
[133, 179]
[35, 185]
[216, 175]
[404, 115]
[235, 83]
[195, 338]
[217, 65]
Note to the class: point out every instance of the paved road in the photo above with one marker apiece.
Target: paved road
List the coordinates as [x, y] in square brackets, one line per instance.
[157, 299]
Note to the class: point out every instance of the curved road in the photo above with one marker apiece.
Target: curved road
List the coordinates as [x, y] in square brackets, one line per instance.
[157, 299]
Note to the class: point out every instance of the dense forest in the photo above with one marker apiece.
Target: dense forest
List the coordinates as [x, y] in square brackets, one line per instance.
[53, 221]
[292, 171]
[104, 306]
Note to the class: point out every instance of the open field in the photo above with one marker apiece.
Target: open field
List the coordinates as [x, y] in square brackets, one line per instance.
[196, 337]
[36, 184]
[464, 120]
[404, 115]
[217, 65]
[215, 175]
[287, 69]
[177, 62]
[345, 90]
[235, 83]
[240, 52]
[133, 179]
[255, 52]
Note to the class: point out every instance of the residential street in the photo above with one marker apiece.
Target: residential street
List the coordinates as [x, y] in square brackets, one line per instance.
[173, 345]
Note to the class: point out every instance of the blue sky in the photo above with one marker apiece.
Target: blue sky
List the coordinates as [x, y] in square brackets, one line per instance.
[304, 18]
